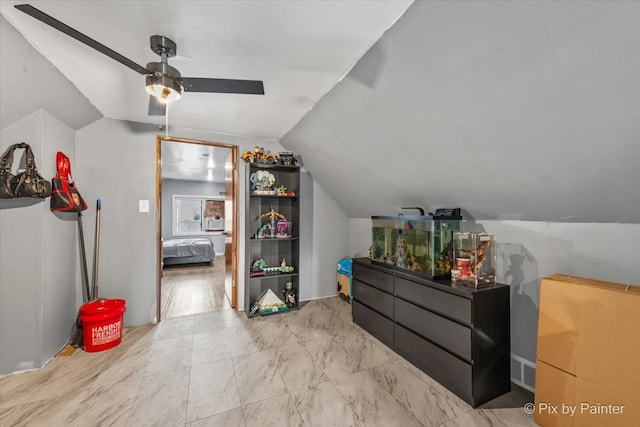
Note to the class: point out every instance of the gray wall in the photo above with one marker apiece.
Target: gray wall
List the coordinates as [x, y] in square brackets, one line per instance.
[39, 293]
[306, 236]
[171, 187]
[29, 82]
[528, 251]
[510, 110]
[116, 163]
[330, 242]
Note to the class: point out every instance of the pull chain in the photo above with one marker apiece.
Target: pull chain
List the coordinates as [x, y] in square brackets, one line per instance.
[166, 120]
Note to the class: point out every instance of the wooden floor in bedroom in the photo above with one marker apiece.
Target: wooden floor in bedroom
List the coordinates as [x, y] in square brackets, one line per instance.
[188, 290]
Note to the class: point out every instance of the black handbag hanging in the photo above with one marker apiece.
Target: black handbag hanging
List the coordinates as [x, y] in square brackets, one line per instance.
[28, 183]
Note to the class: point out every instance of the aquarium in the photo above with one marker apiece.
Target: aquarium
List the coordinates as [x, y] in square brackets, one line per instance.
[421, 244]
[474, 260]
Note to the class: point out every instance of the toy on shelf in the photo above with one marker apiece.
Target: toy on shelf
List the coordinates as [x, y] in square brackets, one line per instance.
[286, 158]
[283, 268]
[257, 268]
[268, 231]
[268, 303]
[258, 155]
[282, 192]
[283, 229]
[262, 183]
[264, 232]
[289, 295]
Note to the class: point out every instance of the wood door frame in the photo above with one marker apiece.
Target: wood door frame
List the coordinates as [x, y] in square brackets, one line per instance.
[234, 238]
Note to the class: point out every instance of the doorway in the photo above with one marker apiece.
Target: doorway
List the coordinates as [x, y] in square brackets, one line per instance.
[197, 226]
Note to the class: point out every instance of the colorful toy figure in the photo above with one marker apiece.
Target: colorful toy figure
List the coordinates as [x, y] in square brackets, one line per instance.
[284, 229]
[258, 155]
[261, 183]
[264, 232]
[289, 295]
[282, 190]
[258, 268]
[273, 217]
[286, 158]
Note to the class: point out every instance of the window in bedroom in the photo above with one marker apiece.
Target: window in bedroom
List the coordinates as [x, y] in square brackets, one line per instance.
[197, 214]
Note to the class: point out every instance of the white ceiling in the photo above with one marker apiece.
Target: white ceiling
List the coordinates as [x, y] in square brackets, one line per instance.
[193, 162]
[299, 49]
[509, 110]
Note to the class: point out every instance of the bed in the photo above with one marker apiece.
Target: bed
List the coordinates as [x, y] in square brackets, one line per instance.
[187, 251]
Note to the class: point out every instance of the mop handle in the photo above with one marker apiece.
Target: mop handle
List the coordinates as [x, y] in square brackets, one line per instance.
[83, 259]
[96, 252]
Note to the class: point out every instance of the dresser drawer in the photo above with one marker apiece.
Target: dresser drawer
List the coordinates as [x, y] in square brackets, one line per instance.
[378, 279]
[374, 298]
[446, 333]
[375, 323]
[451, 305]
[447, 369]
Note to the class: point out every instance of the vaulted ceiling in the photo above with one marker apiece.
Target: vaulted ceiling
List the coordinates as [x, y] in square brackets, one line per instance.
[509, 110]
[299, 49]
[28, 82]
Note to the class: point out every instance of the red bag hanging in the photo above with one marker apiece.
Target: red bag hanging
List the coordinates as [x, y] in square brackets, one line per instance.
[64, 194]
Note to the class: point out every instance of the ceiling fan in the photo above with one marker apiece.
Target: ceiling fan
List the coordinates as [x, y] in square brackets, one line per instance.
[164, 83]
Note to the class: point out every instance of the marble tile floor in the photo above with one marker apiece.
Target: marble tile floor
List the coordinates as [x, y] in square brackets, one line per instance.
[310, 367]
[192, 289]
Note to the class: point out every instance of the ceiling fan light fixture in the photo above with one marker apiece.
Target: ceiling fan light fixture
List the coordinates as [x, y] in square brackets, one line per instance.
[164, 82]
[164, 94]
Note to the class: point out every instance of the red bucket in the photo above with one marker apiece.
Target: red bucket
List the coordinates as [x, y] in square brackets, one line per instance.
[102, 324]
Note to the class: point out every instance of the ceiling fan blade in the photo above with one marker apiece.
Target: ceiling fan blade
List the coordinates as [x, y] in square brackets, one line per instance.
[156, 108]
[250, 87]
[51, 21]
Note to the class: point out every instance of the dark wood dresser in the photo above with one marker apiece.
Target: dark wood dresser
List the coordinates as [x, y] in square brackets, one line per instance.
[456, 334]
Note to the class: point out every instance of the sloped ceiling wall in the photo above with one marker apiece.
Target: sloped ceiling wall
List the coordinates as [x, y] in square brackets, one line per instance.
[510, 110]
[28, 82]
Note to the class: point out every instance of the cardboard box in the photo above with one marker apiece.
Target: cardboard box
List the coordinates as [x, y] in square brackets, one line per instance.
[588, 369]
[555, 394]
[558, 322]
[608, 346]
[598, 407]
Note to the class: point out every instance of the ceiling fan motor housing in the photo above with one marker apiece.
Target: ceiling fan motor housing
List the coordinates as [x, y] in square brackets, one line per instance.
[163, 45]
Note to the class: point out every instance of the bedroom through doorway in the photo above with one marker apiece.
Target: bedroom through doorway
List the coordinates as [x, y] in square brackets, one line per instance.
[196, 189]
